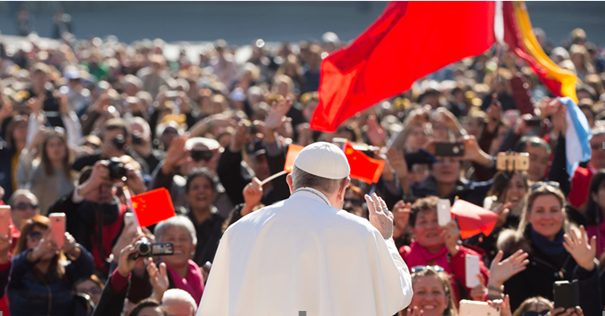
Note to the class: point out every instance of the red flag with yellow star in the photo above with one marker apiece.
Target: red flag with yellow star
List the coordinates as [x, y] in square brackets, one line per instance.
[153, 207]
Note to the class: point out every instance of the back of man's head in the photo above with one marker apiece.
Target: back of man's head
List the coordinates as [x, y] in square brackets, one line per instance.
[322, 166]
[177, 302]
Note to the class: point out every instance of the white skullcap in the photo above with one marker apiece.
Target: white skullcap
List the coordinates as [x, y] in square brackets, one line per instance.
[324, 160]
[210, 143]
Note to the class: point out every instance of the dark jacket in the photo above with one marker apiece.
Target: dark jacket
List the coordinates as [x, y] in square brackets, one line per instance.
[543, 270]
[31, 296]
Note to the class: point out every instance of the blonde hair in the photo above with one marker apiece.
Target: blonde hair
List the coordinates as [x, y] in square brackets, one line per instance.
[542, 190]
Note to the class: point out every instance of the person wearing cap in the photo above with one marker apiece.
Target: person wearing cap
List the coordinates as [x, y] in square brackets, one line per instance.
[307, 256]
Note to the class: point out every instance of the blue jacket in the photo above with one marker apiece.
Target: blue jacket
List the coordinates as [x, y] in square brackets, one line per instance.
[28, 295]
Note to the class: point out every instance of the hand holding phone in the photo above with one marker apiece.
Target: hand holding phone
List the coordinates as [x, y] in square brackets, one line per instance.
[566, 294]
[57, 228]
[471, 268]
[443, 212]
[477, 308]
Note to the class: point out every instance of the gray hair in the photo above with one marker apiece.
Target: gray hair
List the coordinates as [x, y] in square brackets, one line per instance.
[179, 221]
[301, 179]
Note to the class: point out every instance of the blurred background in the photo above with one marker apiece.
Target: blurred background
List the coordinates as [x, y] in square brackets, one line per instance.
[243, 22]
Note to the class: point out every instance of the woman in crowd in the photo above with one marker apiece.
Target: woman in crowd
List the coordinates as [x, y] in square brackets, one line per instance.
[52, 177]
[200, 193]
[556, 251]
[43, 275]
[182, 272]
[436, 245]
[432, 293]
[24, 205]
[506, 198]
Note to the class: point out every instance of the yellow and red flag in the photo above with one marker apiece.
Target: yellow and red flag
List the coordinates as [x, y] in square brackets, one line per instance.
[522, 41]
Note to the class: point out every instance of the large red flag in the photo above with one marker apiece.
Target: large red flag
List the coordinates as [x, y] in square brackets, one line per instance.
[408, 41]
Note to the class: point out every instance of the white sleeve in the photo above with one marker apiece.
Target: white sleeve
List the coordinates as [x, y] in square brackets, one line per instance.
[394, 276]
[73, 129]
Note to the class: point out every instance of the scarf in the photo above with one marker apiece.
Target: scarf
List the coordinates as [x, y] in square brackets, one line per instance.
[192, 283]
[551, 248]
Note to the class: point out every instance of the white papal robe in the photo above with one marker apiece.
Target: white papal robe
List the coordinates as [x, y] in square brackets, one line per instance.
[301, 256]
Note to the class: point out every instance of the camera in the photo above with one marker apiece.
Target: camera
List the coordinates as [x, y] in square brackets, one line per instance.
[145, 248]
[117, 169]
[119, 142]
[137, 139]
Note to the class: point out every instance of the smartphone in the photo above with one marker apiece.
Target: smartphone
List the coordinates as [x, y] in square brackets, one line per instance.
[477, 308]
[533, 122]
[5, 220]
[471, 268]
[129, 219]
[566, 294]
[443, 212]
[57, 228]
[449, 149]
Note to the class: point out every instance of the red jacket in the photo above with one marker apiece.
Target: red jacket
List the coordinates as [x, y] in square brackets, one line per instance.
[417, 255]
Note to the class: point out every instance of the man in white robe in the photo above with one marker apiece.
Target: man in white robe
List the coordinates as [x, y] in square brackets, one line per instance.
[305, 256]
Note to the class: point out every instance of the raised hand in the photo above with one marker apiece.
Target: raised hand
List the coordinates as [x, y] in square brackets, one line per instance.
[560, 311]
[401, 217]
[253, 193]
[380, 216]
[500, 271]
[375, 132]
[581, 249]
[176, 155]
[503, 305]
[158, 277]
[450, 235]
[277, 114]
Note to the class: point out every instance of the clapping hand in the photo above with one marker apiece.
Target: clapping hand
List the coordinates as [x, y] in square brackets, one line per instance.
[380, 216]
[581, 249]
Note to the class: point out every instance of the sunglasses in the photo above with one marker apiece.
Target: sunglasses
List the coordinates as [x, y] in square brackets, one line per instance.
[35, 235]
[199, 155]
[418, 269]
[532, 313]
[25, 206]
[542, 184]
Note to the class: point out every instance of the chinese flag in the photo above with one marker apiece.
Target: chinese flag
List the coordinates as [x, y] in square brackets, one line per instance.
[293, 151]
[408, 41]
[363, 167]
[153, 207]
[473, 219]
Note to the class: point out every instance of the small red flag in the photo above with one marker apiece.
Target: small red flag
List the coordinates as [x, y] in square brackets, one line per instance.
[153, 207]
[473, 219]
[293, 151]
[363, 167]
[408, 41]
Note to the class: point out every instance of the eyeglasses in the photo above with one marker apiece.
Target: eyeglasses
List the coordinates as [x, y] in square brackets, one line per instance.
[418, 269]
[25, 206]
[541, 184]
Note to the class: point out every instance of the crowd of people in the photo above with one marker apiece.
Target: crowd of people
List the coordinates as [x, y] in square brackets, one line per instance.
[88, 121]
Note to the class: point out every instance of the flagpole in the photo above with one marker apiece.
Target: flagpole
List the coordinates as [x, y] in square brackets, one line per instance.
[273, 177]
[128, 197]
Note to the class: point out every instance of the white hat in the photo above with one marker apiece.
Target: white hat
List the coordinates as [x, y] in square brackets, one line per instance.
[210, 143]
[323, 160]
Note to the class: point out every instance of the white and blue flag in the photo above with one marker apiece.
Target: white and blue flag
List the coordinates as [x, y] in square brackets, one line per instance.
[577, 136]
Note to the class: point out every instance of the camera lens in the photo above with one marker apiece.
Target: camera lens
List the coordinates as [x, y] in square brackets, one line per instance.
[143, 248]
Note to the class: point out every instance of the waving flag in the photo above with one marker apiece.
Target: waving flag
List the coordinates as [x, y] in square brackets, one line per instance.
[577, 136]
[153, 207]
[473, 219]
[522, 41]
[408, 41]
